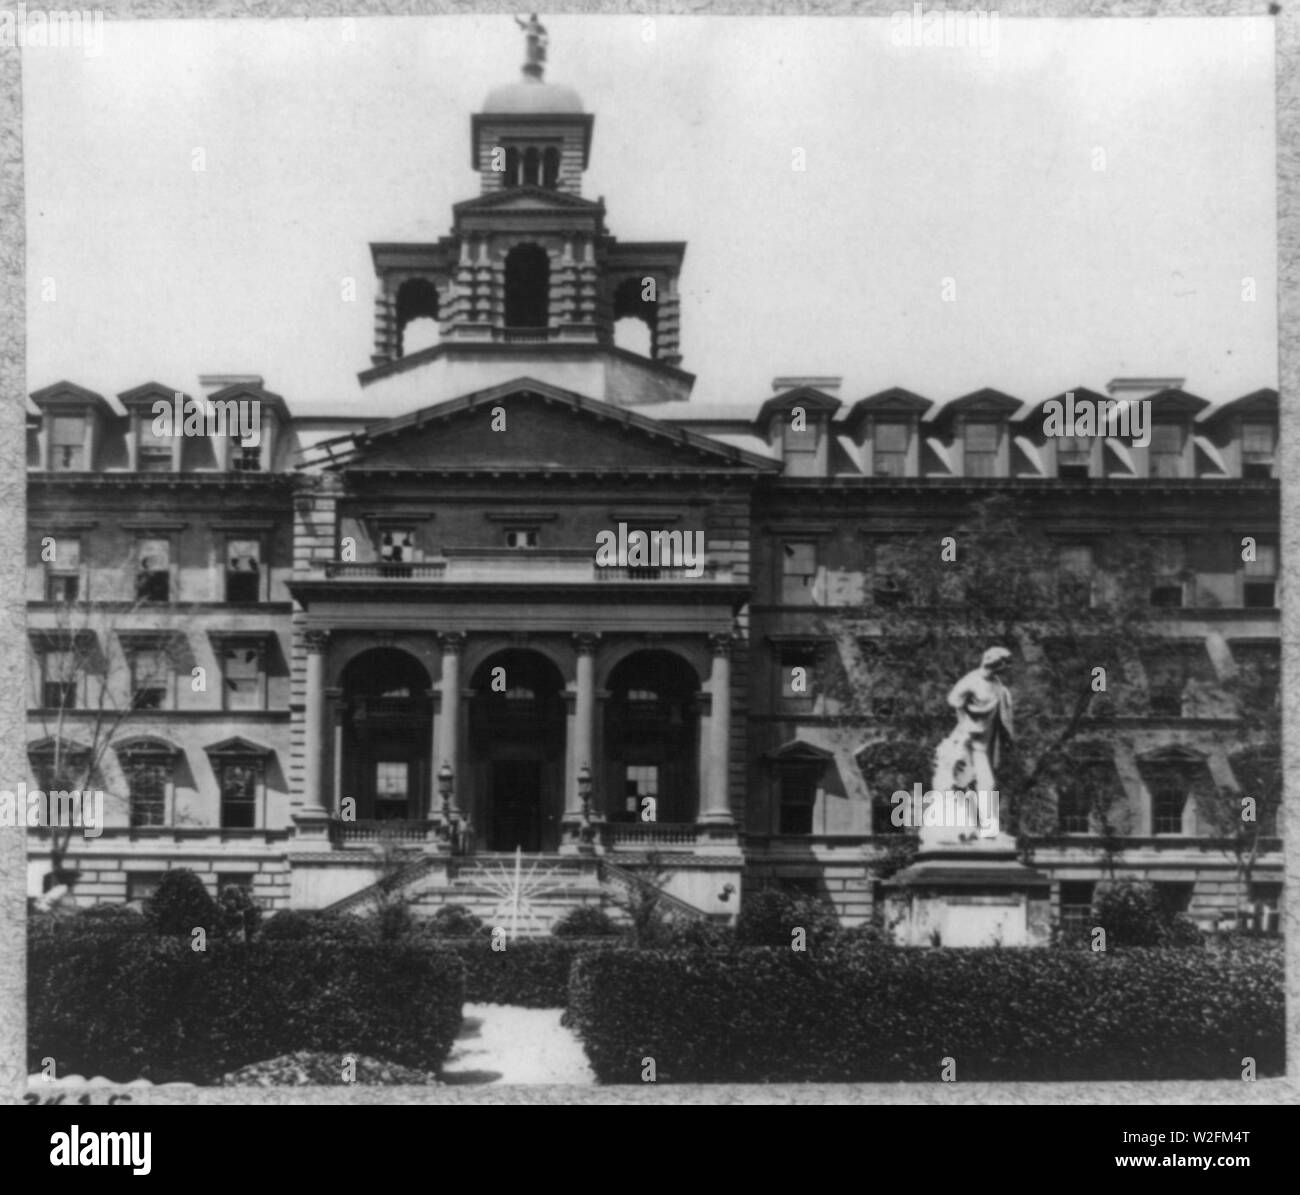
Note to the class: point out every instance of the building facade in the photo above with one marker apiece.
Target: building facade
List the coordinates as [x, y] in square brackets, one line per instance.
[283, 652]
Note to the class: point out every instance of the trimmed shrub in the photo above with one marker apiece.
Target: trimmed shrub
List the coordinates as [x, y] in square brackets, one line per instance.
[129, 1006]
[890, 1014]
[180, 905]
[585, 921]
[1132, 914]
[769, 917]
[238, 913]
[297, 925]
[455, 921]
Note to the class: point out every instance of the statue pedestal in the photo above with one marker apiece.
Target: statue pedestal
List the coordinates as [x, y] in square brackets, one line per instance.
[972, 893]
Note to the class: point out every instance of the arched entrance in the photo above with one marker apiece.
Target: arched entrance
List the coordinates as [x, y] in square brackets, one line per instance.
[652, 721]
[386, 732]
[517, 737]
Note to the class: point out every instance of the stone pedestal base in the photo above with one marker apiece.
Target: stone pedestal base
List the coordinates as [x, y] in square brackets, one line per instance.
[968, 896]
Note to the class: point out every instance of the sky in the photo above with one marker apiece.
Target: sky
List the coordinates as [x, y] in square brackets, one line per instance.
[1077, 200]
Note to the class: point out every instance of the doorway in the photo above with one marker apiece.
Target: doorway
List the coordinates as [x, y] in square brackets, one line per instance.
[516, 805]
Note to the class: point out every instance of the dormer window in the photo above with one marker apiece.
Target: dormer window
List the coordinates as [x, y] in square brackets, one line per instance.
[1073, 456]
[1167, 440]
[155, 452]
[892, 440]
[1257, 446]
[983, 443]
[68, 443]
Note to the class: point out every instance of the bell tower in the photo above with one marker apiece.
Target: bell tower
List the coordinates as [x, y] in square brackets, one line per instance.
[529, 261]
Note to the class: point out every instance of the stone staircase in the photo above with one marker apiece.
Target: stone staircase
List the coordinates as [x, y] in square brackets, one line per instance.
[525, 895]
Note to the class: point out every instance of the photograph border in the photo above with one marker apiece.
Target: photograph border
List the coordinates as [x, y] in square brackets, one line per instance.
[13, 641]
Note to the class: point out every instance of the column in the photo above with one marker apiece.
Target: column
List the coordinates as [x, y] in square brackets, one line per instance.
[714, 800]
[584, 711]
[337, 712]
[452, 644]
[317, 642]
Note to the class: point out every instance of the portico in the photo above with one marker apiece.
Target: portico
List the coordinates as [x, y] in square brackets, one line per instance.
[519, 721]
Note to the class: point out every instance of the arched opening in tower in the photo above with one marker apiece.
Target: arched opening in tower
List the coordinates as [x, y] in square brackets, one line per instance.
[532, 166]
[417, 316]
[636, 316]
[551, 168]
[528, 284]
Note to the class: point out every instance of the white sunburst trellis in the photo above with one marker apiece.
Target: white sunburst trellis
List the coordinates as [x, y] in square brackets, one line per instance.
[516, 888]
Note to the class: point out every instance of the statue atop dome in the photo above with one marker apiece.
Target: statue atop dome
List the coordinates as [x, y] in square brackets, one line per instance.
[535, 33]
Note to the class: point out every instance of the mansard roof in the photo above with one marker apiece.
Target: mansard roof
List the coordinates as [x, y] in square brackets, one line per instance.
[1176, 401]
[1258, 403]
[800, 396]
[895, 400]
[65, 394]
[979, 402]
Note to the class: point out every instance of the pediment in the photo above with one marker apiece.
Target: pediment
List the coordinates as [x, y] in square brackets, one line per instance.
[526, 199]
[533, 426]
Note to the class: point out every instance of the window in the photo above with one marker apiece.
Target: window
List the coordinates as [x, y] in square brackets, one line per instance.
[1175, 896]
[155, 452]
[392, 787]
[1167, 677]
[983, 439]
[798, 797]
[154, 574]
[1167, 449]
[58, 679]
[151, 677]
[521, 537]
[640, 781]
[799, 572]
[1076, 908]
[239, 784]
[141, 885]
[63, 573]
[520, 695]
[1168, 586]
[243, 570]
[242, 676]
[1073, 456]
[798, 675]
[890, 446]
[1259, 578]
[1074, 574]
[1074, 806]
[799, 448]
[236, 879]
[147, 781]
[528, 287]
[397, 545]
[245, 459]
[532, 166]
[67, 443]
[1257, 448]
[1168, 799]
[551, 167]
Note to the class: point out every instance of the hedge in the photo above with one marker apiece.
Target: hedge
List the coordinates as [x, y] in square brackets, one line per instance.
[131, 1005]
[871, 1013]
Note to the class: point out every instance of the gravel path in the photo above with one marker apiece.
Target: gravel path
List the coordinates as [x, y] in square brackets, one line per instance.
[503, 1044]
